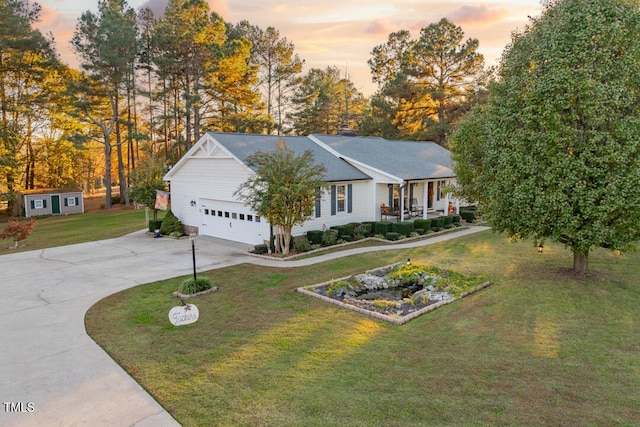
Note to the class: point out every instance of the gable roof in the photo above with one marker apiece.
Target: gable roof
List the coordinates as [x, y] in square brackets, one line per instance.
[408, 160]
[241, 146]
[345, 158]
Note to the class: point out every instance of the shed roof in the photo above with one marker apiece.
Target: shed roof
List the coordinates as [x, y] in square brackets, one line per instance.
[50, 191]
[408, 160]
[244, 145]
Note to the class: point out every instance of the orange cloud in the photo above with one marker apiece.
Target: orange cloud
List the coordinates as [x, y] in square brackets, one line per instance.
[476, 15]
[379, 27]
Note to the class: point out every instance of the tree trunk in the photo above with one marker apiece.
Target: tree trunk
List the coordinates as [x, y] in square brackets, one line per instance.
[107, 172]
[286, 235]
[581, 262]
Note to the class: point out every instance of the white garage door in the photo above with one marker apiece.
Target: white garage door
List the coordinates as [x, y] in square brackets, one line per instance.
[231, 221]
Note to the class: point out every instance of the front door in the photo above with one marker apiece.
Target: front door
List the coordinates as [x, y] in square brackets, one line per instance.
[430, 195]
[55, 205]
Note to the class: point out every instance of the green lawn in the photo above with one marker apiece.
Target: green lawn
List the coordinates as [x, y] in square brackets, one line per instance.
[537, 348]
[69, 229]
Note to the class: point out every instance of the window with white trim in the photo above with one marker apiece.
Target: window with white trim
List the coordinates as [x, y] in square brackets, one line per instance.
[341, 197]
[38, 204]
[71, 201]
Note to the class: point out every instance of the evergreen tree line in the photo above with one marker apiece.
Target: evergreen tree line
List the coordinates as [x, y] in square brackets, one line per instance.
[149, 86]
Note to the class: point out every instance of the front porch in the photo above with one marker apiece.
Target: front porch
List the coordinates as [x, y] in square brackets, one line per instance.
[415, 200]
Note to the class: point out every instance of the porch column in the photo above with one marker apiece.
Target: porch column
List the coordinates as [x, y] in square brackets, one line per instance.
[425, 199]
[374, 200]
[446, 204]
[402, 202]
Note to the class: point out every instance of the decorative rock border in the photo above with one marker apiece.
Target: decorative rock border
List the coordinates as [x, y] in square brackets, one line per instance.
[395, 320]
[197, 294]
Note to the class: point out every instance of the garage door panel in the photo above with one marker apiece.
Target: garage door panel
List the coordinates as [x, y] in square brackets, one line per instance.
[231, 221]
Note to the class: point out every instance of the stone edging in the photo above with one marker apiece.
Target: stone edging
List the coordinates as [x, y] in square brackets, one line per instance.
[197, 294]
[379, 316]
[346, 244]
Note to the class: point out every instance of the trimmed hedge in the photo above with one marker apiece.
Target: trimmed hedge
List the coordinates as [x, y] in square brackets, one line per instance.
[403, 228]
[340, 229]
[366, 229]
[382, 227]
[425, 224]
[437, 224]
[469, 216]
[154, 224]
[448, 221]
[260, 249]
[456, 220]
[420, 231]
[329, 238]
[315, 236]
[392, 235]
[369, 228]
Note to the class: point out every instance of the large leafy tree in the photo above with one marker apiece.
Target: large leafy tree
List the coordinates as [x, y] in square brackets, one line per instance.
[283, 189]
[424, 85]
[555, 154]
[29, 78]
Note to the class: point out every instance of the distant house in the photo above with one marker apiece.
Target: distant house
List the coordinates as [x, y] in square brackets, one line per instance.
[363, 175]
[49, 201]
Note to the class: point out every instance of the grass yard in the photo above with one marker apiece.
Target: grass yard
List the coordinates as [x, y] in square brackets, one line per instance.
[538, 348]
[63, 230]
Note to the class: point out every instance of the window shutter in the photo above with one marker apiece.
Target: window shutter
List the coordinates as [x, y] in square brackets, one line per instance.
[349, 198]
[390, 195]
[66, 201]
[318, 200]
[77, 204]
[333, 200]
[44, 203]
[33, 204]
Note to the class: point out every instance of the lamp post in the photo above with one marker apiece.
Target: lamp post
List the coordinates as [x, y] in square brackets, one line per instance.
[192, 237]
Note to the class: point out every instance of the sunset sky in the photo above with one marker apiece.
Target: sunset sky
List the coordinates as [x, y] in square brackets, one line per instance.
[334, 32]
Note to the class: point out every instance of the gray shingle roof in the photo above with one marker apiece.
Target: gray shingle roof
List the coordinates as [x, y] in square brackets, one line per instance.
[243, 145]
[408, 160]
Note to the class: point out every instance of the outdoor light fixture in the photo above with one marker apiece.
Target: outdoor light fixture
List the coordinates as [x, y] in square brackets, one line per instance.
[193, 203]
[192, 237]
[540, 248]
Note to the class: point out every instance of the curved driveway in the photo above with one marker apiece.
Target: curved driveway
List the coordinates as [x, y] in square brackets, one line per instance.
[51, 372]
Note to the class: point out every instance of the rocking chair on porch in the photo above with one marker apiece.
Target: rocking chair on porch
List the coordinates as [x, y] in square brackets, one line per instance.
[416, 210]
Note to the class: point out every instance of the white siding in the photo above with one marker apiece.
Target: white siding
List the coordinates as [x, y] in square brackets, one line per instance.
[199, 178]
[361, 203]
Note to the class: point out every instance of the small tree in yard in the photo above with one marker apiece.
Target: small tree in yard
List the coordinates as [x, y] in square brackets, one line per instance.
[555, 154]
[147, 180]
[283, 190]
[18, 230]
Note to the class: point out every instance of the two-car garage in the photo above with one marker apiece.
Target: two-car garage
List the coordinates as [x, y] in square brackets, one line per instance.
[230, 221]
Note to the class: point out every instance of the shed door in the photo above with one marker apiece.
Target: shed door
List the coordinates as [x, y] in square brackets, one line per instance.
[55, 205]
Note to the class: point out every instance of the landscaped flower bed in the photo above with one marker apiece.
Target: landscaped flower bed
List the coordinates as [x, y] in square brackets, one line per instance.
[383, 230]
[397, 293]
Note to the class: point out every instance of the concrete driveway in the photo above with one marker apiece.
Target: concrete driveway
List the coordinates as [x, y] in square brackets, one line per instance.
[51, 372]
